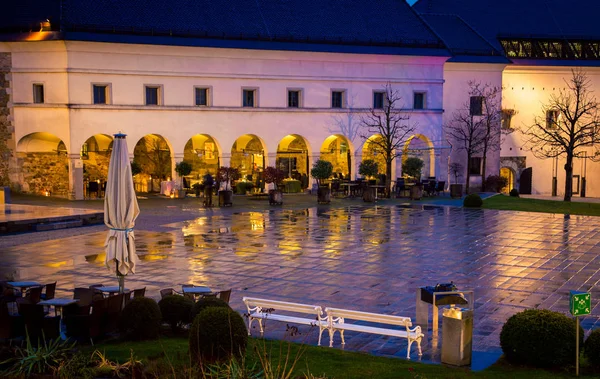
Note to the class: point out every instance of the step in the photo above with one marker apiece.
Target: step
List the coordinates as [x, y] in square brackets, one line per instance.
[58, 225]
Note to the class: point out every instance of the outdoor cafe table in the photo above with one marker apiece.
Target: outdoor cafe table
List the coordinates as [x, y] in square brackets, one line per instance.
[197, 290]
[377, 187]
[111, 289]
[24, 285]
[349, 185]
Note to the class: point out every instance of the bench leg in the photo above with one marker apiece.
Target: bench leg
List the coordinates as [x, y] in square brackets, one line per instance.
[419, 346]
[321, 329]
[408, 350]
[331, 334]
[262, 331]
[342, 335]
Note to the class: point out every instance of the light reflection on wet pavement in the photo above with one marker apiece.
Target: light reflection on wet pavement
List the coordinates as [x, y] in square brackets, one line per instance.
[371, 258]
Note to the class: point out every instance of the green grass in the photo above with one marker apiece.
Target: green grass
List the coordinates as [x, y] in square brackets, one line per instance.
[503, 202]
[321, 361]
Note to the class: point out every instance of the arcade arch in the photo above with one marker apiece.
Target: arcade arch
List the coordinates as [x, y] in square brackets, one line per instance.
[336, 149]
[152, 154]
[203, 153]
[421, 147]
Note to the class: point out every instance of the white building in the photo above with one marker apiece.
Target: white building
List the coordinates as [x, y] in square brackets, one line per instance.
[239, 100]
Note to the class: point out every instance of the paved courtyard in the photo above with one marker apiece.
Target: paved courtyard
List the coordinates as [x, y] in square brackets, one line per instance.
[368, 257]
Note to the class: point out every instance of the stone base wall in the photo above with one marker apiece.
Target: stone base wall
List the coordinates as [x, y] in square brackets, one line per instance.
[7, 135]
[45, 172]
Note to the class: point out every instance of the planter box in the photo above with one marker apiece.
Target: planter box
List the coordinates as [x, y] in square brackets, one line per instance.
[456, 190]
[323, 195]
[225, 198]
[368, 195]
[416, 192]
[275, 197]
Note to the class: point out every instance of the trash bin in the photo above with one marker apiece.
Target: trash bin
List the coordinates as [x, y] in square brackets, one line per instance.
[457, 336]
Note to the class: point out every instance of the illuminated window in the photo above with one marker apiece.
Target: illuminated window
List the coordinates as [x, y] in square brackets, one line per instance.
[552, 119]
[38, 93]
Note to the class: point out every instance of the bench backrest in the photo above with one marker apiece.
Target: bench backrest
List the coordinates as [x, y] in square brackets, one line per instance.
[282, 306]
[371, 317]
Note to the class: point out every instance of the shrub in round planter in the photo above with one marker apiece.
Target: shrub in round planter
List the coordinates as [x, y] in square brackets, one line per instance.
[514, 192]
[207, 302]
[473, 201]
[540, 338]
[591, 349]
[217, 334]
[176, 310]
[140, 319]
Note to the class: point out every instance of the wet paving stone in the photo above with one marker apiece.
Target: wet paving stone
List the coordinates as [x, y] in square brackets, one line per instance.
[371, 258]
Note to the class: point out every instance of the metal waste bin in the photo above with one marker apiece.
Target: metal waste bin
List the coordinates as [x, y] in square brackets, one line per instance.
[457, 336]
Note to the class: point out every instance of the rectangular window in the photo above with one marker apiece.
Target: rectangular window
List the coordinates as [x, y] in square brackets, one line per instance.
[337, 99]
[475, 166]
[248, 98]
[378, 100]
[100, 93]
[38, 93]
[201, 96]
[552, 119]
[476, 108]
[507, 115]
[293, 99]
[419, 100]
[152, 95]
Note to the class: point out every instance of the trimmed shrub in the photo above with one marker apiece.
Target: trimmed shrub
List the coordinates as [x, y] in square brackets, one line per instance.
[176, 310]
[495, 183]
[540, 338]
[242, 187]
[140, 319]
[514, 192]
[217, 334]
[473, 201]
[207, 302]
[591, 349]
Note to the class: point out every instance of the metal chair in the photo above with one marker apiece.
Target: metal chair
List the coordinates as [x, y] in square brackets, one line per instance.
[440, 187]
[140, 292]
[166, 292]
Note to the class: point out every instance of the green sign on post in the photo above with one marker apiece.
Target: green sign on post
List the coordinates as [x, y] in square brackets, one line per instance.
[580, 303]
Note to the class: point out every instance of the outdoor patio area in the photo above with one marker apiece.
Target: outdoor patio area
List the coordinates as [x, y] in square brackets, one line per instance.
[370, 258]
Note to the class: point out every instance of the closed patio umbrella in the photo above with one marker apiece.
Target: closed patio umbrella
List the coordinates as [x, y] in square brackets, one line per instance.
[120, 211]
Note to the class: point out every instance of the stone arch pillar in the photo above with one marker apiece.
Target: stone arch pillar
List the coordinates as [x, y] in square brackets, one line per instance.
[75, 177]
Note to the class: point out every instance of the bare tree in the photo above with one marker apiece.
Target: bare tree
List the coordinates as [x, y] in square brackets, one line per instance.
[569, 126]
[392, 126]
[467, 128]
[491, 118]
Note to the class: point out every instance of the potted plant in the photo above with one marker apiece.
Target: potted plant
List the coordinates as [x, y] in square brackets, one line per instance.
[227, 175]
[368, 169]
[274, 177]
[456, 189]
[207, 183]
[182, 169]
[322, 171]
[412, 167]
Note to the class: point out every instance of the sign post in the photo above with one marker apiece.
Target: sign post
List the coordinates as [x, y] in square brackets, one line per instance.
[580, 304]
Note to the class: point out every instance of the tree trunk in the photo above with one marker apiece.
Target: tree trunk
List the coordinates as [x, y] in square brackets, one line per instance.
[569, 177]
[468, 176]
[484, 163]
[388, 178]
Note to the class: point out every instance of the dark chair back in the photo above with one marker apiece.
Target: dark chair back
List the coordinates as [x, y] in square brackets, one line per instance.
[84, 295]
[140, 292]
[440, 186]
[34, 295]
[166, 292]
[225, 295]
[50, 291]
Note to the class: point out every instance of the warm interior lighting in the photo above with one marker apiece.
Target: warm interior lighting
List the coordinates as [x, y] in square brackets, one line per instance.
[45, 26]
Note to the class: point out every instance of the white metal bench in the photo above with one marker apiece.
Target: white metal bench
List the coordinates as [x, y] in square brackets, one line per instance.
[262, 309]
[337, 322]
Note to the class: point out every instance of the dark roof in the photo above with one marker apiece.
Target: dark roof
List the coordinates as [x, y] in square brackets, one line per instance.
[388, 23]
[26, 15]
[561, 19]
[459, 37]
